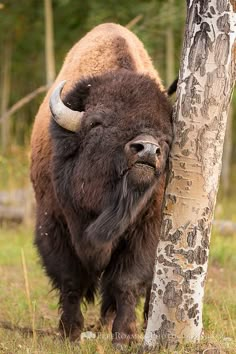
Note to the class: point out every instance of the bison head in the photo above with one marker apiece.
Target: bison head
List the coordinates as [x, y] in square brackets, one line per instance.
[111, 139]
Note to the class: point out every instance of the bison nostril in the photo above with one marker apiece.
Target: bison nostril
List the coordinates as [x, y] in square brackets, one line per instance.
[136, 148]
[158, 151]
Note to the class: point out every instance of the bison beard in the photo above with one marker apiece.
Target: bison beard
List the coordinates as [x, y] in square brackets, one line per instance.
[98, 170]
[127, 203]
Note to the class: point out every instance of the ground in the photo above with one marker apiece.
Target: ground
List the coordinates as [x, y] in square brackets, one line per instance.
[28, 304]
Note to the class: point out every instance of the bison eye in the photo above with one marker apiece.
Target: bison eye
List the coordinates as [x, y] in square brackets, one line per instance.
[94, 121]
[95, 124]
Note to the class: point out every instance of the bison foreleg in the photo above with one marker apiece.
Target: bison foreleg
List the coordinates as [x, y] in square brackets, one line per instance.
[108, 308]
[124, 325]
[72, 321]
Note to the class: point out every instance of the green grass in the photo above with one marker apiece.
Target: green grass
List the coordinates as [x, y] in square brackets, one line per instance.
[219, 305]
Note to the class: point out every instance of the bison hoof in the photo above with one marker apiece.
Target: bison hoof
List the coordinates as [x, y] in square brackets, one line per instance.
[121, 340]
[107, 320]
[72, 331]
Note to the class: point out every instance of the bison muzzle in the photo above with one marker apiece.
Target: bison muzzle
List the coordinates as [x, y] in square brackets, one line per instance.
[100, 144]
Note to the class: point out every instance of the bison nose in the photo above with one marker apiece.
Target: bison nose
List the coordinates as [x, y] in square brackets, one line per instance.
[143, 149]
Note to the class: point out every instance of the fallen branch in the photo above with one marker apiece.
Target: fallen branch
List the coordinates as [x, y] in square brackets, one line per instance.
[225, 227]
[23, 101]
[12, 213]
[27, 331]
[133, 22]
[17, 206]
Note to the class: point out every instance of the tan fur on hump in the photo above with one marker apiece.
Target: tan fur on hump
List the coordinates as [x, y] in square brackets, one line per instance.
[107, 47]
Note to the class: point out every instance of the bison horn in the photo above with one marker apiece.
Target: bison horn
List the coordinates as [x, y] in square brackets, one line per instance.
[64, 116]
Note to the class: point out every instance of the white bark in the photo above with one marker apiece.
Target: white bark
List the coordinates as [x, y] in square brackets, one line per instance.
[203, 97]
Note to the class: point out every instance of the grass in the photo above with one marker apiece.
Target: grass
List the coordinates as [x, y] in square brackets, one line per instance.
[15, 297]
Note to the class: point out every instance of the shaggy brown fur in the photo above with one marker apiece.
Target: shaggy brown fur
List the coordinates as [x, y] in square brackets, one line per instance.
[98, 197]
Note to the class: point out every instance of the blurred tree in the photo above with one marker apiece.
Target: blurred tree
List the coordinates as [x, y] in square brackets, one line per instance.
[170, 65]
[5, 89]
[49, 42]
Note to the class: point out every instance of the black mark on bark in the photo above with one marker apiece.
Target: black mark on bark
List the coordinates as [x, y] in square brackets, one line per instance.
[200, 255]
[172, 198]
[186, 152]
[167, 225]
[212, 10]
[193, 311]
[205, 242]
[222, 5]
[176, 236]
[199, 50]
[172, 297]
[192, 237]
[164, 334]
[223, 23]
[180, 315]
[169, 250]
[154, 287]
[204, 5]
[190, 98]
[222, 52]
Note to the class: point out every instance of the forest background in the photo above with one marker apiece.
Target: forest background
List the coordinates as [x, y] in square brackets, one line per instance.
[22, 44]
[160, 25]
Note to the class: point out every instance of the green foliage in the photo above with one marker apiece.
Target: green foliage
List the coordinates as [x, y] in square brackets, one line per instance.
[22, 25]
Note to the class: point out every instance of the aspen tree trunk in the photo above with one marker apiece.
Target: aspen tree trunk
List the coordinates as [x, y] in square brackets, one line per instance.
[49, 42]
[203, 99]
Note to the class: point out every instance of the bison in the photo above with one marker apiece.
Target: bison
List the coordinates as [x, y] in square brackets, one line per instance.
[100, 144]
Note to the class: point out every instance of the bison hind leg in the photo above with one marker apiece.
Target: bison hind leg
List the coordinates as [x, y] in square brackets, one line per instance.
[65, 270]
[91, 292]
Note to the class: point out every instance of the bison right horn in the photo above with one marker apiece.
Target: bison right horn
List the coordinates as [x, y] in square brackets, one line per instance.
[64, 116]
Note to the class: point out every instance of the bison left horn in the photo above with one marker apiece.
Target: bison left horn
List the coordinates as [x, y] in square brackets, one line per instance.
[64, 116]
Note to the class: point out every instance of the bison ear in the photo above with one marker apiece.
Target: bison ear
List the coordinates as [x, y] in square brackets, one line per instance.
[77, 98]
[173, 87]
